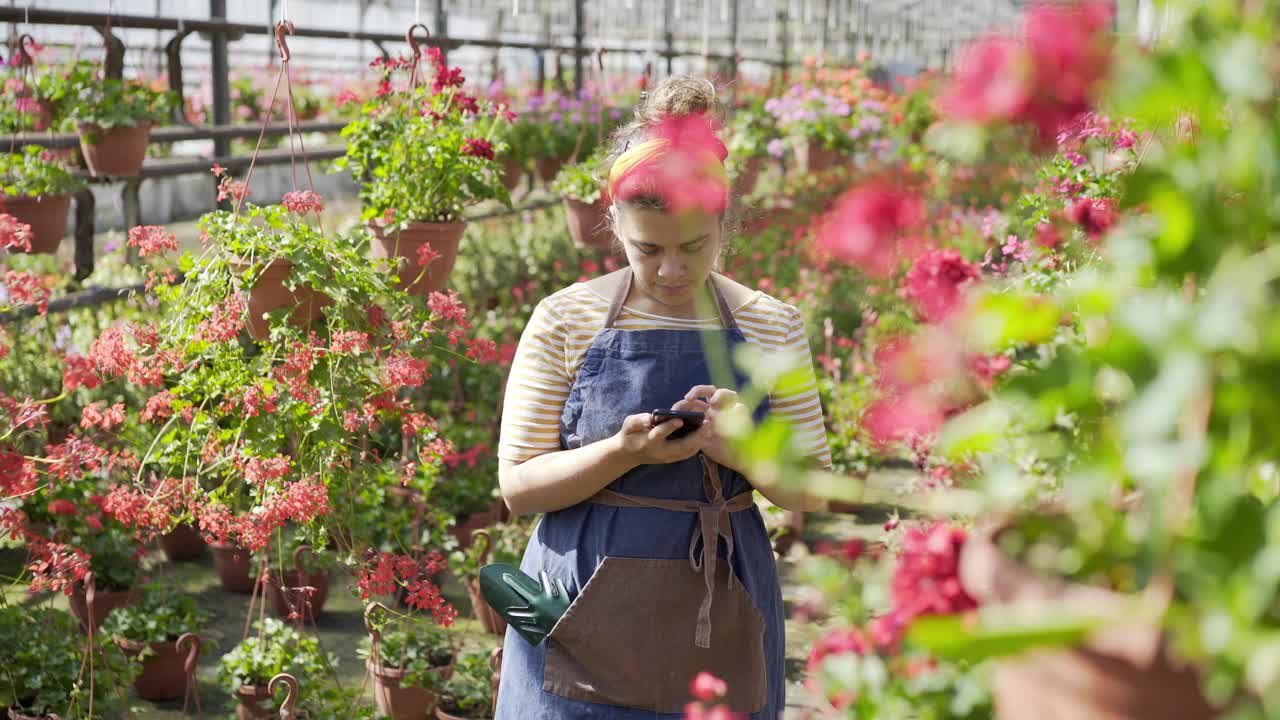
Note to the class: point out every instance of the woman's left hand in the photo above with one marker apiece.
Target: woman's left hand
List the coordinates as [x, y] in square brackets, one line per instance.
[715, 403]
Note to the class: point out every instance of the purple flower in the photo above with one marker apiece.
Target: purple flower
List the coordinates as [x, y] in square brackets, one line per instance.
[1075, 158]
[615, 113]
[555, 117]
[776, 148]
[855, 133]
[871, 123]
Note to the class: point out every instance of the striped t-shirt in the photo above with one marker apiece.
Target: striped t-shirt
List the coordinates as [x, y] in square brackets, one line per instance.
[562, 327]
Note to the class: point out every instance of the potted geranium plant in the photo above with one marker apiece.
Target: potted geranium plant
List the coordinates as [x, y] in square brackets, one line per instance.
[751, 130]
[41, 672]
[114, 119]
[115, 572]
[158, 632]
[586, 204]
[468, 693]
[409, 661]
[818, 123]
[271, 649]
[37, 192]
[422, 154]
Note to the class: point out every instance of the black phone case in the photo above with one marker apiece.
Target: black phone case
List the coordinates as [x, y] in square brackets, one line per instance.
[692, 421]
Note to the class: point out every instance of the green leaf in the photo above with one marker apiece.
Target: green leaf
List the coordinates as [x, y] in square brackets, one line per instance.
[982, 636]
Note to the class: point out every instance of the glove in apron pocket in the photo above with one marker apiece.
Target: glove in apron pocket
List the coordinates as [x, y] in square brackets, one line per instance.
[628, 638]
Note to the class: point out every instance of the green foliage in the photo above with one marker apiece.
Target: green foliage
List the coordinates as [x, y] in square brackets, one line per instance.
[407, 151]
[109, 103]
[44, 653]
[469, 691]
[506, 544]
[161, 615]
[273, 648]
[421, 649]
[582, 181]
[751, 129]
[28, 174]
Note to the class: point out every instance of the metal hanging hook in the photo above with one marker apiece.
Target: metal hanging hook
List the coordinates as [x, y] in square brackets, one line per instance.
[283, 28]
[413, 41]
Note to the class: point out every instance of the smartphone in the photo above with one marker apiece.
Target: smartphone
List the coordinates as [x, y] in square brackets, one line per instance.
[692, 421]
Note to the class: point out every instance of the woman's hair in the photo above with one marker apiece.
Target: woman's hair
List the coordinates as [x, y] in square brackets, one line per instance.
[676, 96]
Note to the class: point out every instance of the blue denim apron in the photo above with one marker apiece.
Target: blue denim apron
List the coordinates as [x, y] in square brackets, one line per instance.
[655, 597]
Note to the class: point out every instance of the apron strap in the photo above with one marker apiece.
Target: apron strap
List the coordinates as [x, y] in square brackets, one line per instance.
[624, 289]
[713, 524]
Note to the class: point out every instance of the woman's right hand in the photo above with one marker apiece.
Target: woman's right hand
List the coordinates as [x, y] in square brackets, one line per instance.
[647, 444]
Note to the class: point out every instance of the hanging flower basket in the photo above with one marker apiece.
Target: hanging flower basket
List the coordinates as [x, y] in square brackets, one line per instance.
[397, 701]
[234, 566]
[589, 223]
[104, 601]
[548, 168]
[744, 183]
[47, 216]
[512, 173]
[182, 543]
[1120, 673]
[269, 292]
[406, 245]
[164, 673]
[114, 152]
[814, 157]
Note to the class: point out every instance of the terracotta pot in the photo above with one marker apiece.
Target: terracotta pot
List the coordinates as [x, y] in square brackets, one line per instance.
[444, 238]
[548, 168]
[104, 601]
[255, 703]
[1122, 672]
[164, 674]
[182, 543]
[813, 157]
[270, 293]
[588, 223]
[512, 173]
[47, 216]
[234, 566]
[490, 620]
[402, 703]
[477, 521]
[309, 606]
[114, 152]
[744, 183]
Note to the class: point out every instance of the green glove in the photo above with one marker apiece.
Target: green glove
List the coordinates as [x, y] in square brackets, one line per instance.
[532, 609]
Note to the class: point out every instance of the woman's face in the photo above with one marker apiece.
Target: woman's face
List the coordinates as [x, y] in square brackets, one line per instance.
[670, 255]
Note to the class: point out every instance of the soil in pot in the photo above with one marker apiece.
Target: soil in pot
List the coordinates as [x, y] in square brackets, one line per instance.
[292, 597]
[104, 601]
[402, 703]
[444, 238]
[234, 566]
[164, 675]
[588, 223]
[47, 216]
[270, 293]
[1122, 672]
[114, 152]
[182, 543]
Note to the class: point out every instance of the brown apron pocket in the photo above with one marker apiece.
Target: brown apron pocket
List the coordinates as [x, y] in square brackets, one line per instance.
[628, 638]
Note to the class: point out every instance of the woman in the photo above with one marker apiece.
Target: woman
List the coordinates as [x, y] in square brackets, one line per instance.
[634, 521]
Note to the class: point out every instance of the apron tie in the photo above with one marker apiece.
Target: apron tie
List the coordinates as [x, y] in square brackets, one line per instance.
[713, 524]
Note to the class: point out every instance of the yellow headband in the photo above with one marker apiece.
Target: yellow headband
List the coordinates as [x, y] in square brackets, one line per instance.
[648, 150]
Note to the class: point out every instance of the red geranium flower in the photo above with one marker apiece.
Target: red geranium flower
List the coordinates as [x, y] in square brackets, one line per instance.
[477, 147]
